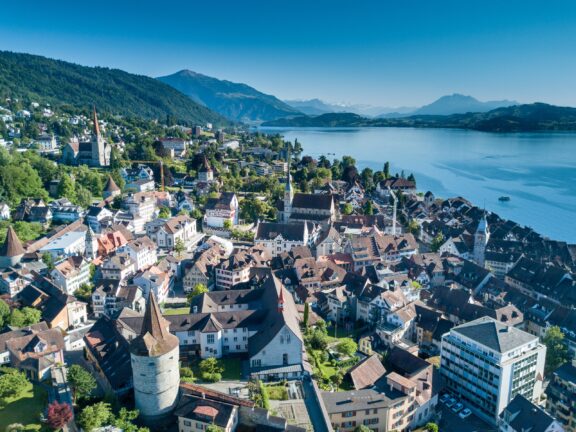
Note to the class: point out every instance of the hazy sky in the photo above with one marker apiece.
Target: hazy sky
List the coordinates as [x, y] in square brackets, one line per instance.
[389, 53]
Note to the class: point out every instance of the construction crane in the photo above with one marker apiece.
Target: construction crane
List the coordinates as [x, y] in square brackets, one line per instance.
[161, 162]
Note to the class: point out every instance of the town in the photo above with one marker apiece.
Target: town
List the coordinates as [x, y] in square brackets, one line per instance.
[160, 276]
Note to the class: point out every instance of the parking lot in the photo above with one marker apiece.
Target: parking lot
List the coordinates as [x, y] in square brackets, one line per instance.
[452, 422]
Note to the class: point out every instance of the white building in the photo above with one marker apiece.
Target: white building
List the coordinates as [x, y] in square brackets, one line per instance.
[222, 209]
[165, 233]
[277, 238]
[142, 251]
[71, 273]
[486, 364]
[68, 244]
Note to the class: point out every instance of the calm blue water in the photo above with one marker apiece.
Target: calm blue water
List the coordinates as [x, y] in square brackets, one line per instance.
[537, 170]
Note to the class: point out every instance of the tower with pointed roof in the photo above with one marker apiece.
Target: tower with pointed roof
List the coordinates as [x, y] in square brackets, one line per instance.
[91, 244]
[111, 189]
[205, 173]
[155, 364]
[481, 237]
[100, 149]
[11, 251]
[288, 191]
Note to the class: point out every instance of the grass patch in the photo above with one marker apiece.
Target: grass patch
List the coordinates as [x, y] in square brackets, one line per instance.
[277, 392]
[25, 409]
[176, 311]
[232, 368]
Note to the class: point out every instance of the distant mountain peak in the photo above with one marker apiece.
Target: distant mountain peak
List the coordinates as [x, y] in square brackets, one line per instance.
[458, 103]
[237, 101]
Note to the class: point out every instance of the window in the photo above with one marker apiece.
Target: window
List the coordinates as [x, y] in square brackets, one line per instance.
[285, 359]
[187, 423]
[256, 363]
[210, 339]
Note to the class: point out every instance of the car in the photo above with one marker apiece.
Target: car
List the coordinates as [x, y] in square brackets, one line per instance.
[458, 407]
[451, 402]
[445, 397]
[465, 413]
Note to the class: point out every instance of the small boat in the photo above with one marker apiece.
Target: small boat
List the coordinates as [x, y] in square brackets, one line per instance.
[504, 198]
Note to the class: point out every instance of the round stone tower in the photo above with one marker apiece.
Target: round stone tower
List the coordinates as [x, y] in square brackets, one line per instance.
[11, 251]
[155, 365]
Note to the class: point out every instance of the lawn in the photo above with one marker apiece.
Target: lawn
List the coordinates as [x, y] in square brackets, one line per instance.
[176, 311]
[25, 410]
[232, 368]
[277, 392]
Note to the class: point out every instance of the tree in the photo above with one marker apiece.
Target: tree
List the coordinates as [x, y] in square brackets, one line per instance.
[83, 197]
[214, 428]
[368, 208]
[556, 349]
[59, 415]
[48, 260]
[198, 289]
[66, 188]
[413, 227]
[337, 379]
[81, 382]
[228, 224]
[12, 384]
[386, 170]
[164, 213]
[179, 247]
[4, 313]
[306, 315]
[24, 317]
[347, 347]
[437, 242]
[362, 428]
[211, 370]
[318, 340]
[347, 209]
[431, 427]
[95, 416]
[125, 419]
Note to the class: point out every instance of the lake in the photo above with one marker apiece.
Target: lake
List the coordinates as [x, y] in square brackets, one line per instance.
[537, 170]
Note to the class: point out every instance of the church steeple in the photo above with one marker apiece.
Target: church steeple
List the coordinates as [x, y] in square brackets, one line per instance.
[288, 191]
[481, 237]
[95, 120]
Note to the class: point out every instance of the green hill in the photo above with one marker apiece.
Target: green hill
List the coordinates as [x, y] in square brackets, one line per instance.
[44, 80]
[519, 118]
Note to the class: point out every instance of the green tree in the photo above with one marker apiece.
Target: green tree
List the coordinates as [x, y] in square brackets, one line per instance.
[198, 289]
[211, 370]
[556, 349]
[24, 317]
[164, 213]
[437, 242]
[214, 428]
[179, 247]
[125, 420]
[347, 347]
[347, 209]
[4, 313]
[264, 394]
[81, 382]
[306, 315]
[21, 181]
[66, 188]
[362, 428]
[12, 384]
[386, 170]
[83, 197]
[413, 227]
[337, 379]
[228, 224]
[48, 260]
[431, 427]
[368, 208]
[95, 416]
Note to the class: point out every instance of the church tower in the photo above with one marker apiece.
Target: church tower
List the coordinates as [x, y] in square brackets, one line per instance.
[100, 150]
[91, 244]
[155, 364]
[288, 191]
[481, 237]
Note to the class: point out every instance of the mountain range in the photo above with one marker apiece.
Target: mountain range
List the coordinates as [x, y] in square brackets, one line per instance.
[446, 105]
[111, 90]
[518, 118]
[235, 101]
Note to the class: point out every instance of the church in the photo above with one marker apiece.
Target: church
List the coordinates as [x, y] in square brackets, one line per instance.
[302, 207]
[94, 152]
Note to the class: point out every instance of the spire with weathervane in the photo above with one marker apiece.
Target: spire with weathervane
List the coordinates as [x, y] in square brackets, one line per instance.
[288, 191]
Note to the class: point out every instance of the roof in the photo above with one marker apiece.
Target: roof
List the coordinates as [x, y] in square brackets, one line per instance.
[111, 185]
[367, 372]
[359, 400]
[291, 232]
[205, 410]
[523, 416]
[405, 363]
[155, 338]
[12, 246]
[494, 335]
[312, 201]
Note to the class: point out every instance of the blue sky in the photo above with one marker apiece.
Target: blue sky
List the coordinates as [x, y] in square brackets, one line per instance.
[380, 52]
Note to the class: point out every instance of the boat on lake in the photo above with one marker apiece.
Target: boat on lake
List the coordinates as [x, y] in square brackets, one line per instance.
[504, 198]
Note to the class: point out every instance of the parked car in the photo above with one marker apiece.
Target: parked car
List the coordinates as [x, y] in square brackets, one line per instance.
[465, 413]
[458, 407]
[451, 402]
[445, 398]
